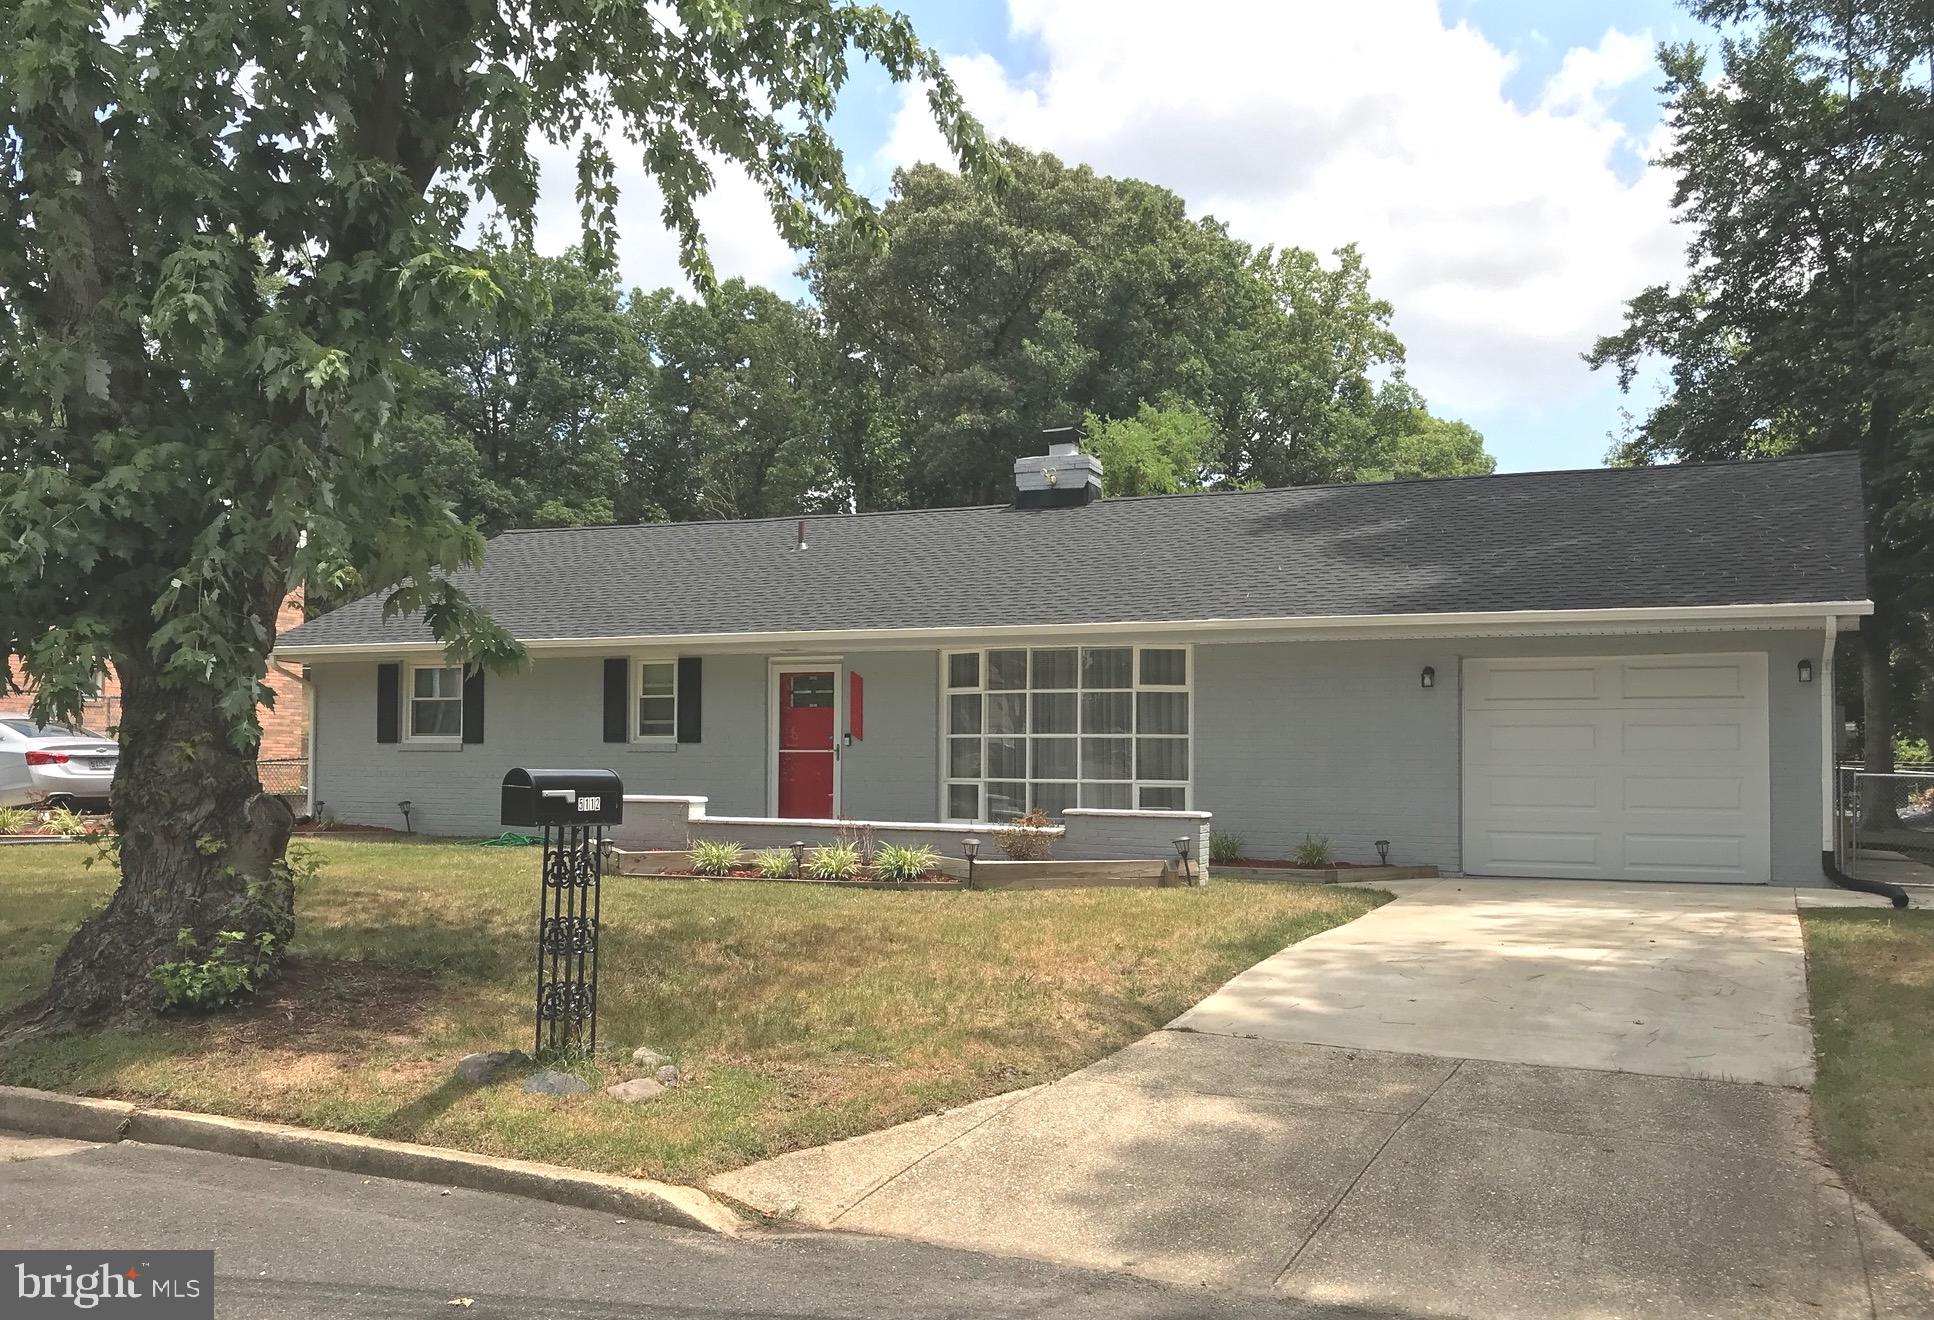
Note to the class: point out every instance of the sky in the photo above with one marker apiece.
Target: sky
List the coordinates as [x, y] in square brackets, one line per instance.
[1490, 157]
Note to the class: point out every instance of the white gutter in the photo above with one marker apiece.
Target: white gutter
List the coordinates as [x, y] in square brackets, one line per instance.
[1829, 786]
[1803, 614]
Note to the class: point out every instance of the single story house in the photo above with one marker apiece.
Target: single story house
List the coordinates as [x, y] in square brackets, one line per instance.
[1618, 674]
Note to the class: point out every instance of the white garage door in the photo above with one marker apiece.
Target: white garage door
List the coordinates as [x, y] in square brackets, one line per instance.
[1632, 768]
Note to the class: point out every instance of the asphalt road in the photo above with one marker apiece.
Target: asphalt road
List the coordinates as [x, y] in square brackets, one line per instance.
[308, 1243]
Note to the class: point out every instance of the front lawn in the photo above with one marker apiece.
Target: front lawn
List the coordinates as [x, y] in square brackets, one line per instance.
[1871, 976]
[800, 1014]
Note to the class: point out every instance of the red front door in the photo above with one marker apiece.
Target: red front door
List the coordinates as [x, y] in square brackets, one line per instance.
[806, 744]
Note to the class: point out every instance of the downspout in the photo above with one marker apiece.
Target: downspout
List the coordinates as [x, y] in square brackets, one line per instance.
[308, 733]
[1829, 786]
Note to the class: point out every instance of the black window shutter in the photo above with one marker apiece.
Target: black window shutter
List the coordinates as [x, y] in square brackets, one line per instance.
[691, 696]
[389, 691]
[617, 696]
[473, 725]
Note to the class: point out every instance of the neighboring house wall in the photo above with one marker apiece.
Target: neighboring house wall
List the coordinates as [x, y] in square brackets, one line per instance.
[551, 714]
[1334, 738]
[1340, 739]
[285, 725]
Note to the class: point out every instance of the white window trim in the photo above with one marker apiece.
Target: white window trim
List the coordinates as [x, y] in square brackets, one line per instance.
[1135, 785]
[408, 713]
[635, 691]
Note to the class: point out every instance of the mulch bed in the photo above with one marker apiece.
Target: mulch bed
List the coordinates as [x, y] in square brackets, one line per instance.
[1278, 864]
[931, 880]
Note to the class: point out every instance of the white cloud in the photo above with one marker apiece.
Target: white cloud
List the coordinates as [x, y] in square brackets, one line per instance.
[1504, 236]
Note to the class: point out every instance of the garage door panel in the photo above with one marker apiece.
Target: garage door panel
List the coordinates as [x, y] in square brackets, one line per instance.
[1543, 790]
[1679, 793]
[1654, 770]
[1656, 736]
[1652, 682]
[1513, 739]
[1542, 848]
[1683, 852]
[1542, 684]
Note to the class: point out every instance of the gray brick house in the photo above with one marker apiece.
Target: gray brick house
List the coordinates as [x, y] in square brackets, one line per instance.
[1620, 673]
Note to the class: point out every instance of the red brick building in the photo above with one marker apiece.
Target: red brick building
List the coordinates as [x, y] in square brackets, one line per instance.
[285, 727]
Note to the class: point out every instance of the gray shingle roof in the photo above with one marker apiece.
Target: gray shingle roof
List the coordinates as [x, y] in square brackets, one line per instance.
[1768, 532]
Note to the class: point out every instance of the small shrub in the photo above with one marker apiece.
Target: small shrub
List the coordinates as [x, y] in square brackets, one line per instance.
[893, 862]
[1019, 840]
[860, 835]
[67, 823]
[715, 857]
[774, 864]
[1225, 849]
[833, 861]
[229, 971]
[1314, 850]
[15, 820]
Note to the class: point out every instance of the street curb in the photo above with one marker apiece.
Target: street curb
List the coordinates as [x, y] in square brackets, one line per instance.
[49, 1113]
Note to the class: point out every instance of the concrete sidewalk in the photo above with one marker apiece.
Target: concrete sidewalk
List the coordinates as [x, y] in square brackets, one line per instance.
[1501, 1181]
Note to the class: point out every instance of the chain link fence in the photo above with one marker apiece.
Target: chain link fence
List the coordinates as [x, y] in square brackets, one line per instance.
[1884, 827]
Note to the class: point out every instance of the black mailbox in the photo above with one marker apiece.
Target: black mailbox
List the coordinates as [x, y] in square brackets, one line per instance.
[563, 797]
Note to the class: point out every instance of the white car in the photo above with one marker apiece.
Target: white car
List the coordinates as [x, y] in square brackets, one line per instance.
[54, 763]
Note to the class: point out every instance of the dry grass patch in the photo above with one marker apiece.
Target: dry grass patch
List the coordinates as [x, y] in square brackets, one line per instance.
[800, 1014]
[1870, 973]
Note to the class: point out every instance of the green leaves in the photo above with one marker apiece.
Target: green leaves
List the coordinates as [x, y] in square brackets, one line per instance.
[222, 225]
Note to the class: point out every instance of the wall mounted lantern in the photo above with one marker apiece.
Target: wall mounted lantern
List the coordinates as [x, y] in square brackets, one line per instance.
[1806, 671]
[1429, 677]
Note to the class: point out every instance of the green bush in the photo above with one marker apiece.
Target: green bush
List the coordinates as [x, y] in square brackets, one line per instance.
[715, 857]
[229, 970]
[1912, 753]
[1021, 838]
[67, 823]
[1313, 851]
[893, 862]
[15, 820]
[833, 861]
[774, 864]
[1226, 849]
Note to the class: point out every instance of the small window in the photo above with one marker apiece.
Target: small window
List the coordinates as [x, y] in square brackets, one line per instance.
[436, 703]
[811, 691]
[657, 699]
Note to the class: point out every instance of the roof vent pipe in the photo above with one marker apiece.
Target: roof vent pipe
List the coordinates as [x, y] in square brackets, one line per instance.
[802, 535]
[1064, 476]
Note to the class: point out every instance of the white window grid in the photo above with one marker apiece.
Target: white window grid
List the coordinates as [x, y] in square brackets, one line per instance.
[1137, 791]
[446, 689]
[654, 680]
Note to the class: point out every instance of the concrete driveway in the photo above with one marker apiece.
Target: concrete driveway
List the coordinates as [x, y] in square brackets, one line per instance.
[1488, 1098]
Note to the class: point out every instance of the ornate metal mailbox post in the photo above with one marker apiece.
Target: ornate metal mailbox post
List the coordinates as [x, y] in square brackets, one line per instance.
[572, 807]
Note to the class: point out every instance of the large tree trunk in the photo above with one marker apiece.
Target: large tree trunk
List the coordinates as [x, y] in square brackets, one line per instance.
[200, 847]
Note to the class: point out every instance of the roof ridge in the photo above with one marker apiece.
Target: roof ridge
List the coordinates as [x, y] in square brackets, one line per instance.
[1387, 483]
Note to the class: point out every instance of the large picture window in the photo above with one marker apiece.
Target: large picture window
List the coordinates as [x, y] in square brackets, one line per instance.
[1056, 727]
